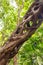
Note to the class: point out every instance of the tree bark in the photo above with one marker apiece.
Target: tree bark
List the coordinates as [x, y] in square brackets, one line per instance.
[21, 34]
[15, 60]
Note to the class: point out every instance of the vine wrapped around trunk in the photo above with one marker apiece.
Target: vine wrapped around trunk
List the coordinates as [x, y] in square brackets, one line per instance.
[22, 33]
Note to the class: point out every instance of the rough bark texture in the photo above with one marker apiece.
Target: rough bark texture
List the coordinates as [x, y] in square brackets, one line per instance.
[22, 33]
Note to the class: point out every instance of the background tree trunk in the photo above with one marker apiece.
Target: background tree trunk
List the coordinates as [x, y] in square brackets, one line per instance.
[15, 60]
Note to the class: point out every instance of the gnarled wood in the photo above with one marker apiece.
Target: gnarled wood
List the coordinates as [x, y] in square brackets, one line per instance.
[22, 33]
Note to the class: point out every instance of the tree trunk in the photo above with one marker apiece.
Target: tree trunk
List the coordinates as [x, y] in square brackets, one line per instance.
[21, 34]
[15, 60]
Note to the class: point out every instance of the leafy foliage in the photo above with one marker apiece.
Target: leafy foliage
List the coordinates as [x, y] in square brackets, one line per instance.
[31, 53]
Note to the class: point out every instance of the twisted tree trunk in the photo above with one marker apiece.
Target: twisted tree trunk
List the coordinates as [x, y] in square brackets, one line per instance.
[22, 33]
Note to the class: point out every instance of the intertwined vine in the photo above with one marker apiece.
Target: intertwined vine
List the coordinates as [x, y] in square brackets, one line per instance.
[31, 21]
